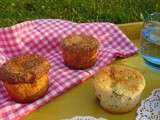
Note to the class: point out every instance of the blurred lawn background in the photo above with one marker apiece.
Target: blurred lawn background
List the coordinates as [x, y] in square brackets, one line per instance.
[117, 11]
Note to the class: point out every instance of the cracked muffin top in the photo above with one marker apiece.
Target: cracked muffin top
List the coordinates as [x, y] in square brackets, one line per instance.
[24, 69]
[80, 42]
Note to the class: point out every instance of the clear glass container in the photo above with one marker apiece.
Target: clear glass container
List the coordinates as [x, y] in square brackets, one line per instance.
[150, 41]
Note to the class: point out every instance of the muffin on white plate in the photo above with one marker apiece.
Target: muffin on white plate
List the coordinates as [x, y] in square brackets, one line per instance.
[85, 118]
[118, 88]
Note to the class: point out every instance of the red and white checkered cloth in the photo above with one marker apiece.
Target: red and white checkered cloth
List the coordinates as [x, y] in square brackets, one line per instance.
[43, 37]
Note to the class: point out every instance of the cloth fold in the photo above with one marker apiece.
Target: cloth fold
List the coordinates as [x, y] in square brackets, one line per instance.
[43, 37]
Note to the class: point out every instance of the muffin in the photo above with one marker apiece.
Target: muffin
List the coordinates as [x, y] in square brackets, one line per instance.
[25, 77]
[85, 118]
[79, 51]
[118, 88]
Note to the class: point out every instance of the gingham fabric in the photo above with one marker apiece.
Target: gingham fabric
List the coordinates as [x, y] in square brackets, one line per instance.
[43, 37]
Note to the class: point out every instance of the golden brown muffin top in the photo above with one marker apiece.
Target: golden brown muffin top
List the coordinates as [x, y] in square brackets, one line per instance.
[80, 42]
[121, 79]
[24, 69]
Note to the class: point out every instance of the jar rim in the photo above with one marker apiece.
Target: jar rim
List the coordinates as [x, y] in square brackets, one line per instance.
[153, 17]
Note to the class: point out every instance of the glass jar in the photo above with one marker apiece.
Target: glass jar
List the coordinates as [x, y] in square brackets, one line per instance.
[150, 41]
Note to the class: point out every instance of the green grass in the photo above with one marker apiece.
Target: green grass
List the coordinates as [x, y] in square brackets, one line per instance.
[117, 11]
